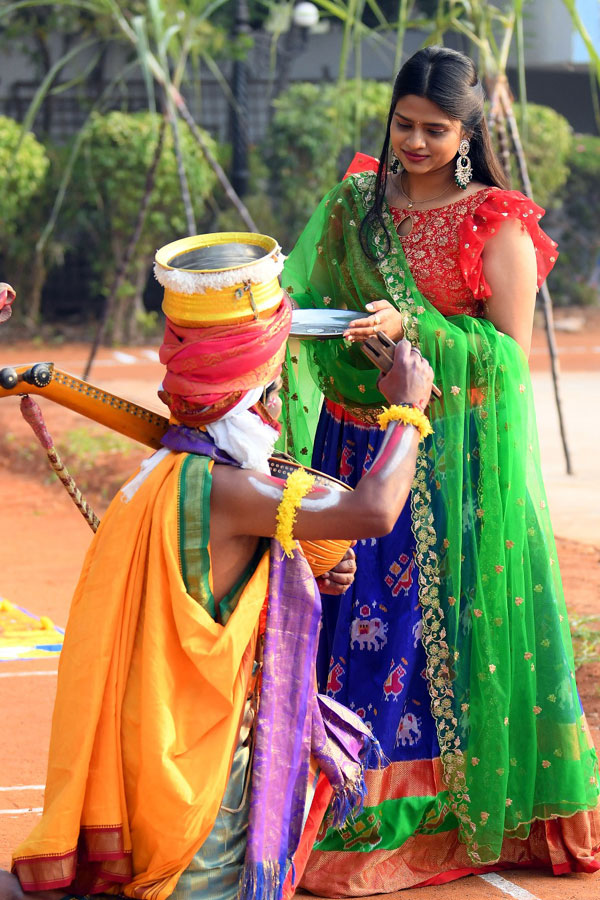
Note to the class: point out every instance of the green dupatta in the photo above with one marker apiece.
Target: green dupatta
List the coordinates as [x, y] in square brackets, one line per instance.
[513, 740]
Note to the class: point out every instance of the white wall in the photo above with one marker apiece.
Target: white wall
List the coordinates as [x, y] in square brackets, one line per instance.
[550, 37]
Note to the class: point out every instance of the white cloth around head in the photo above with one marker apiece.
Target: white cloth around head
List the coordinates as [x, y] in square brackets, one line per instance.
[243, 435]
[240, 433]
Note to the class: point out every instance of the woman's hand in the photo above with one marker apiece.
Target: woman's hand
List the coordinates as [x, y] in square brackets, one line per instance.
[385, 318]
[339, 579]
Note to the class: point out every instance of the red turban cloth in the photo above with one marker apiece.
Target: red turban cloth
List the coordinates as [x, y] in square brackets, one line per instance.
[209, 370]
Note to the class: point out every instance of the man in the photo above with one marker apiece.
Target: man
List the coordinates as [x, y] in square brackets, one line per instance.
[166, 776]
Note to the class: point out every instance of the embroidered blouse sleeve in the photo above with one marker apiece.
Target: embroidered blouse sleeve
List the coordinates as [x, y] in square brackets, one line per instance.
[484, 222]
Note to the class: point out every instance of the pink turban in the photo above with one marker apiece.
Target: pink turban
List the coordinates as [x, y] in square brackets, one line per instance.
[210, 369]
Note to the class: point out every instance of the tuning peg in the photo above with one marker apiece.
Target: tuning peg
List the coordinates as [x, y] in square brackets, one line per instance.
[40, 375]
[8, 378]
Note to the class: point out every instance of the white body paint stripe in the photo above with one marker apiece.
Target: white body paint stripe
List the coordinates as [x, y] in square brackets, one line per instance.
[507, 887]
[26, 674]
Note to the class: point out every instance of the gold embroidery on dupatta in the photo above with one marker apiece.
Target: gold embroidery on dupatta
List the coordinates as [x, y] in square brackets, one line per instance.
[439, 663]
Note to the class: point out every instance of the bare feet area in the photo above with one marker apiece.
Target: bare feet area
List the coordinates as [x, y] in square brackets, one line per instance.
[44, 540]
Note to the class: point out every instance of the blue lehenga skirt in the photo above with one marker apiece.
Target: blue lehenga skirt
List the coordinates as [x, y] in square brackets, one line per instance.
[371, 658]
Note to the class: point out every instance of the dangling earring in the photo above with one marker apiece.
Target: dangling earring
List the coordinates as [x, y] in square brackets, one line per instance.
[464, 170]
[394, 164]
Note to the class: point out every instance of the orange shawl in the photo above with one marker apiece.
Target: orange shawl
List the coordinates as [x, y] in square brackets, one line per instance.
[138, 763]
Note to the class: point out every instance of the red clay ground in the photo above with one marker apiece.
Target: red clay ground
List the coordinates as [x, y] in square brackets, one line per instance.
[43, 540]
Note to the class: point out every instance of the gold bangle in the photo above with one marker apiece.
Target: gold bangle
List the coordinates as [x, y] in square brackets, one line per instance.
[296, 487]
[408, 415]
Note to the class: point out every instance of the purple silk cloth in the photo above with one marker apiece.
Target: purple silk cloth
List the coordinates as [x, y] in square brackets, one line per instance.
[293, 721]
[192, 440]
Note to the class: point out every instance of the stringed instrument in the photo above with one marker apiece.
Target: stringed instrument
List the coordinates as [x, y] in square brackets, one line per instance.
[147, 427]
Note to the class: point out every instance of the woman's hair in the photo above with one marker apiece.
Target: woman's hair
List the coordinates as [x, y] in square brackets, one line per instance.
[448, 79]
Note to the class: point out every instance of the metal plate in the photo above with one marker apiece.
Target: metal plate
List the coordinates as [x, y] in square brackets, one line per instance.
[322, 324]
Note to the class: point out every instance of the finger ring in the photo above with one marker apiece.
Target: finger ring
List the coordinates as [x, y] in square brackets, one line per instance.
[377, 320]
[416, 349]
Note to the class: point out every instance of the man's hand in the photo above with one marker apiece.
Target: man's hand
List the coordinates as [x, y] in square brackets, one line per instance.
[339, 579]
[410, 378]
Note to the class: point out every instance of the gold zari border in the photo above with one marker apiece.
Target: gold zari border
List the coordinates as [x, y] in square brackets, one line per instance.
[439, 664]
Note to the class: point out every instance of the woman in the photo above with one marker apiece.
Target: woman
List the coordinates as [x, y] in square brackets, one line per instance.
[453, 643]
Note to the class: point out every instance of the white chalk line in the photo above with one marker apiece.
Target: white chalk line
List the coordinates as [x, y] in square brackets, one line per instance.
[32, 810]
[27, 674]
[125, 358]
[23, 787]
[118, 357]
[22, 812]
[507, 887]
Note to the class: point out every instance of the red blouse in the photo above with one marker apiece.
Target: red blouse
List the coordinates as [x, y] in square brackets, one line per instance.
[444, 247]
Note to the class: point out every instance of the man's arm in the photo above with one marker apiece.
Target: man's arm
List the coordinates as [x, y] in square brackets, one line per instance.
[246, 502]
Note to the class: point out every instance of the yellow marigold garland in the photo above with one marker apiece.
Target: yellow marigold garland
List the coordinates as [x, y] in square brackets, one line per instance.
[297, 486]
[408, 415]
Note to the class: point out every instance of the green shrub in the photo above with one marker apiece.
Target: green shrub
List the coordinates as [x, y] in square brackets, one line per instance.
[576, 277]
[313, 136]
[23, 189]
[22, 175]
[370, 103]
[547, 141]
[107, 191]
[305, 129]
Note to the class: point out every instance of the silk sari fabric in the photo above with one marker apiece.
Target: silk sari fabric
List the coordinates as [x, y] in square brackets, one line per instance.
[136, 775]
[506, 736]
[153, 681]
[294, 723]
[209, 370]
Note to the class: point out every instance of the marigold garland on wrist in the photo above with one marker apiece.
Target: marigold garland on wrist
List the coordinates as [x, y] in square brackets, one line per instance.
[408, 414]
[297, 486]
